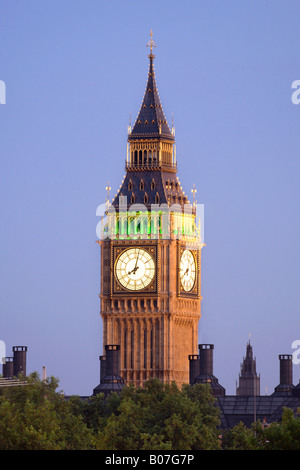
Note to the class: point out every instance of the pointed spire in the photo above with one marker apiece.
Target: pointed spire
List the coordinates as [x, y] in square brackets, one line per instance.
[151, 121]
[249, 381]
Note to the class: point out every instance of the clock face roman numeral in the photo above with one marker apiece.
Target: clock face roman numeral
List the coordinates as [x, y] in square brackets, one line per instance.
[135, 268]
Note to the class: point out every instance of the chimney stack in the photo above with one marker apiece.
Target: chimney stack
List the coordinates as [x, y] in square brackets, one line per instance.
[112, 359]
[8, 368]
[19, 360]
[285, 375]
[206, 358]
[206, 369]
[102, 360]
[111, 381]
[286, 369]
[194, 362]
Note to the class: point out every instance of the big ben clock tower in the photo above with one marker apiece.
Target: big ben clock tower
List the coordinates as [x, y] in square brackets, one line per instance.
[151, 255]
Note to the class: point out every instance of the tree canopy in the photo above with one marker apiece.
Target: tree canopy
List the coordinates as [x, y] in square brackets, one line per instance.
[156, 417]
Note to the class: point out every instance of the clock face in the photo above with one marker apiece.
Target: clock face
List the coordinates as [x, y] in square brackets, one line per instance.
[135, 269]
[187, 270]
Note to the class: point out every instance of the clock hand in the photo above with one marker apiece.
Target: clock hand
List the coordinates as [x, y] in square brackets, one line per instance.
[137, 259]
[136, 267]
[133, 270]
[186, 271]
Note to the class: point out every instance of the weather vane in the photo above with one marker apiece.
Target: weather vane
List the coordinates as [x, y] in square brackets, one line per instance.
[151, 43]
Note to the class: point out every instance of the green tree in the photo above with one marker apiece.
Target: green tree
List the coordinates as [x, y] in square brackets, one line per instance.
[284, 435]
[239, 438]
[162, 416]
[122, 430]
[35, 417]
[156, 417]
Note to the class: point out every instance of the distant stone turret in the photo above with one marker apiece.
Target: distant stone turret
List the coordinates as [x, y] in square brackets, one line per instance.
[249, 381]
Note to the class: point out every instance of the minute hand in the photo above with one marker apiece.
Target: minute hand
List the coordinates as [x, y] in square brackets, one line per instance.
[135, 267]
[137, 260]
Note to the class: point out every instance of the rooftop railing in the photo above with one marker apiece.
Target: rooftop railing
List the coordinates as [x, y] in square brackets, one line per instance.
[151, 166]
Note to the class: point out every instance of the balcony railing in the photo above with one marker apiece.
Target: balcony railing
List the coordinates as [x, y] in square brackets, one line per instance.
[150, 166]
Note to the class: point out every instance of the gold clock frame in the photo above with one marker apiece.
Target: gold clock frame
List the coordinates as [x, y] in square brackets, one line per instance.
[195, 291]
[116, 286]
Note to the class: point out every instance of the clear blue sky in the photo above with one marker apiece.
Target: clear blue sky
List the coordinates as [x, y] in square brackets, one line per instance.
[74, 71]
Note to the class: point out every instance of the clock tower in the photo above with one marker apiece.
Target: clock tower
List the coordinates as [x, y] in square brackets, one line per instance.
[151, 255]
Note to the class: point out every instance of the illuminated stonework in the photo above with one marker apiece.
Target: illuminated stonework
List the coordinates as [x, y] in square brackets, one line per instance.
[151, 256]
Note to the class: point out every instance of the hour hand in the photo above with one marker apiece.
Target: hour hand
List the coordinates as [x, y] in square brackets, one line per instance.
[186, 271]
[133, 270]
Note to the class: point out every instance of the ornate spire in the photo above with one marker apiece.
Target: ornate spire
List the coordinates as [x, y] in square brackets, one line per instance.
[151, 122]
[249, 381]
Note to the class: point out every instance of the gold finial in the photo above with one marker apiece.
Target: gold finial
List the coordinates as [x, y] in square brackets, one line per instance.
[108, 188]
[173, 128]
[194, 190]
[151, 43]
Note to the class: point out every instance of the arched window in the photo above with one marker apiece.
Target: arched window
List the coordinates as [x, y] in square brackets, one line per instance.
[130, 186]
[142, 186]
[152, 184]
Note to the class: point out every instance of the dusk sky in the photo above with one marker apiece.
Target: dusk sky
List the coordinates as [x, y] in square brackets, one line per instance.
[73, 71]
